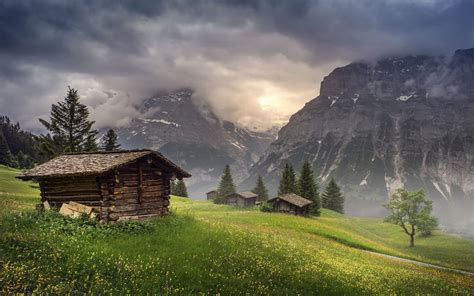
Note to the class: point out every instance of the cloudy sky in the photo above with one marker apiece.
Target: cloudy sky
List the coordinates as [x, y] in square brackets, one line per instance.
[255, 62]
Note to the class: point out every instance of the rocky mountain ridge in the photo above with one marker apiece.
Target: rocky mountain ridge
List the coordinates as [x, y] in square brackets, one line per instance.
[376, 127]
[188, 132]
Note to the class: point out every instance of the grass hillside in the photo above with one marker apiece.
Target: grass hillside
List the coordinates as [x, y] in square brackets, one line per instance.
[14, 194]
[210, 249]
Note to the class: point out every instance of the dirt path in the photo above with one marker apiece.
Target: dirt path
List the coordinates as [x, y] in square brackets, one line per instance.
[422, 263]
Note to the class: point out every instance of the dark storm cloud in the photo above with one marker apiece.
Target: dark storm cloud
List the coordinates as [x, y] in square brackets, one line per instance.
[243, 57]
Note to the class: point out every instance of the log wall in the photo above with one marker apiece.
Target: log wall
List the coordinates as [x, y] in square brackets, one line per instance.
[141, 190]
[83, 190]
[135, 191]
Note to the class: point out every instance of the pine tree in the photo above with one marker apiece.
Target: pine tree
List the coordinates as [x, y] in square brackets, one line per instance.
[110, 142]
[287, 181]
[333, 198]
[5, 154]
[91, 142]
[226, 185]
[292, 186]
[308, 188]
[260, 190]
[173, 187]
[69, 126]
[180, 189]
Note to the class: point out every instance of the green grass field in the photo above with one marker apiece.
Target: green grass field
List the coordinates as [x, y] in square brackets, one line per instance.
[14, 194]
[216, 249]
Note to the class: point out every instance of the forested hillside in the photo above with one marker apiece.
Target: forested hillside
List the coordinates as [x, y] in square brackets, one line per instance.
[18, 148]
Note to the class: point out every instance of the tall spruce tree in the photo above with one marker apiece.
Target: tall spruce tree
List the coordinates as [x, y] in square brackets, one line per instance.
[180, 189]
[292, 184]
[69, 126]
[173, 186]
[260, 190]
[226, 185]
[333, 198]
[308, 188]
[110, 141]
[5, 154]
[287, 181]
[91, 142]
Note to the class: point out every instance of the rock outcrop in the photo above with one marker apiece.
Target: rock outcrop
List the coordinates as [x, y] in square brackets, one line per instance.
[376, 127]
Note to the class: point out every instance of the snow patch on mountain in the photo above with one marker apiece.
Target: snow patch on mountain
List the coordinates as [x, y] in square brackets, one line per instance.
[148, 120]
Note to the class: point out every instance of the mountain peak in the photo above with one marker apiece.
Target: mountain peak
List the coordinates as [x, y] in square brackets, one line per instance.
[193, 136]
[401, 122]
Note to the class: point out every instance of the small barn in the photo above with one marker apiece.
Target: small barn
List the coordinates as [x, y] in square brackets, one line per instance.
[117, 185]
[291, 203]
[211, 195]
[242, 199]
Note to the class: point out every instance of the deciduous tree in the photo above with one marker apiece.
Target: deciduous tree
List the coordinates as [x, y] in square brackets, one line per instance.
[412, 211]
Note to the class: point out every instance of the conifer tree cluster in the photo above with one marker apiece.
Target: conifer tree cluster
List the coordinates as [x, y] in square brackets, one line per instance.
[18, 148]
[179, 188]
[308, 188]
[287, 181]
[332, 197]
[260, 190]
[69, 127]
[226, 185]
[110, 141]
[5, 154]
[305, 186]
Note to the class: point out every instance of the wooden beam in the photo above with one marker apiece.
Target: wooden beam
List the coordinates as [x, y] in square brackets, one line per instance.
[140, 182]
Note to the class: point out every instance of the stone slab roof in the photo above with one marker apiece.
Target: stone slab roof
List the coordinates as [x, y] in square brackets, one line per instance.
[244, 194]
[95, 163]
[293, 199]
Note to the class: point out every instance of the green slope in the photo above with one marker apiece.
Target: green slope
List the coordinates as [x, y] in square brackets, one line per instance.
[207, 248]
[15, 194]
[363, 233]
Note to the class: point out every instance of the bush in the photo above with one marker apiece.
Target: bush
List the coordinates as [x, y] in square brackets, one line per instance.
[266, 207]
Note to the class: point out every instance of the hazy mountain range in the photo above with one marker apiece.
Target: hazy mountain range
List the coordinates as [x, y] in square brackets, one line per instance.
[189, 133]
[376, 127]
[404, 121]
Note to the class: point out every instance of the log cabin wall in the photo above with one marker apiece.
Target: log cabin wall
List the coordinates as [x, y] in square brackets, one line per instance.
[82, 189]
[138, 190]
[118, 184]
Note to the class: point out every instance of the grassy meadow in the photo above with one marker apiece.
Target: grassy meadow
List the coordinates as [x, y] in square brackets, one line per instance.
[204, 248]
[14, 194]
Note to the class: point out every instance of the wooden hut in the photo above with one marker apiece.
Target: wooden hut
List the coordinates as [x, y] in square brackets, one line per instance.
[291, 203]
[242, 199]
[117, 185]
[211, 195]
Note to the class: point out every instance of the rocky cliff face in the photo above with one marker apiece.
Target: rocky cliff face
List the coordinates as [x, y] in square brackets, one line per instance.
[193, 136]
[377, 127]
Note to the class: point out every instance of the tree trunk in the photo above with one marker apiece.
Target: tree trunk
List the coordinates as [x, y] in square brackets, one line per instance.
[412, 240]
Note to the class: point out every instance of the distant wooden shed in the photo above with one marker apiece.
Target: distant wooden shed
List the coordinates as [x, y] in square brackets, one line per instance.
[291, 203]
[211, 195]
[118, 185]
[242, 199]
